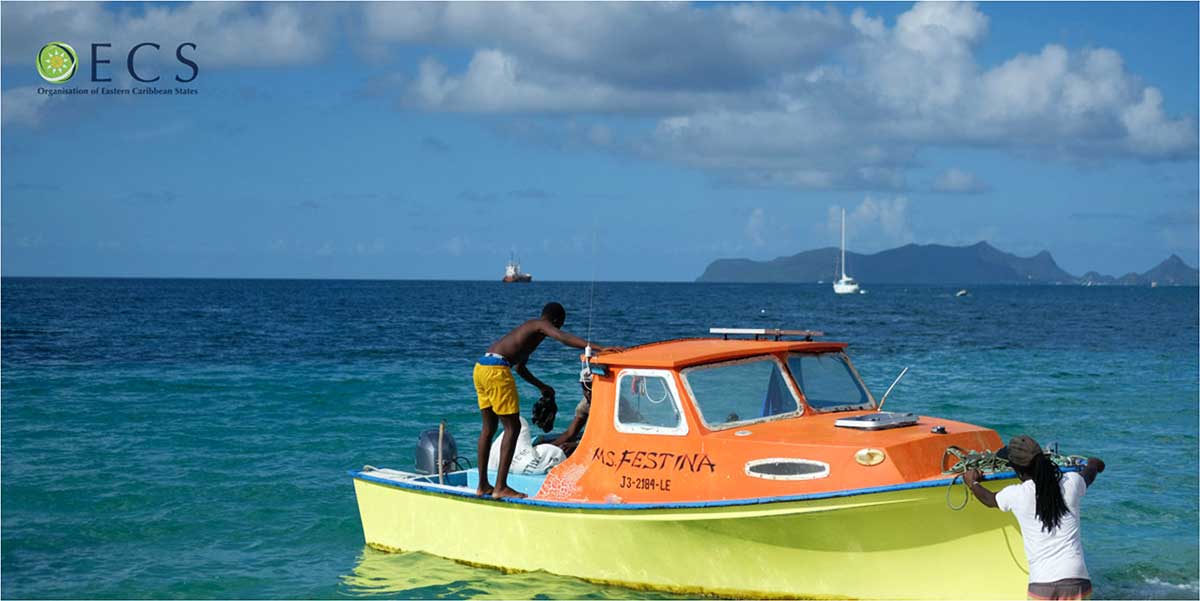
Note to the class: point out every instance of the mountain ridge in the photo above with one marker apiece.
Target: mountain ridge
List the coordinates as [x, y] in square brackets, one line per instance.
[979, 263]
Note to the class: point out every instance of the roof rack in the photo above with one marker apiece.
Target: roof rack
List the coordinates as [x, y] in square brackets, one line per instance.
[761, 333]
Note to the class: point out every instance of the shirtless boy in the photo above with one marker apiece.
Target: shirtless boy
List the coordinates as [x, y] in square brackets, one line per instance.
[497, 390]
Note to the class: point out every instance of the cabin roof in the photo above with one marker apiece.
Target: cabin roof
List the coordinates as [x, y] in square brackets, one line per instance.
[677, 354]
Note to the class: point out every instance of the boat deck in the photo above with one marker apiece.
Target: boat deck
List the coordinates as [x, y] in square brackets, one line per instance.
[460, 482]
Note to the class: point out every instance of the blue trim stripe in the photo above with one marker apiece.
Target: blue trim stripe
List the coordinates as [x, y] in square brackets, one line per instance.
[366, 476]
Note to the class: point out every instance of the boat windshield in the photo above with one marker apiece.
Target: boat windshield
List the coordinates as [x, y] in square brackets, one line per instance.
[736, 393]
[828, 381]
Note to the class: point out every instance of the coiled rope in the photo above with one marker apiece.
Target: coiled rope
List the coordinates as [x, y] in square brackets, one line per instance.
[988, 463]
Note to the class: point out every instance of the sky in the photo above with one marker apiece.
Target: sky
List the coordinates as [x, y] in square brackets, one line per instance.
[606, 141]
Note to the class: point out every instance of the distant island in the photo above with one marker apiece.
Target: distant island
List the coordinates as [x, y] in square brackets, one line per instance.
[979, 263]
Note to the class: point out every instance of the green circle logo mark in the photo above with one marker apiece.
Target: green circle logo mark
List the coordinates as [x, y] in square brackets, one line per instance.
[56, 62]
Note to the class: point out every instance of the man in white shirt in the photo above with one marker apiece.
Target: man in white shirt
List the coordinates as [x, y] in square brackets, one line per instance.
[1046, 504]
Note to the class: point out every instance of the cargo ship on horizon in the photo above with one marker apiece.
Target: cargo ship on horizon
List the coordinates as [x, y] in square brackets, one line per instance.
[513, 274]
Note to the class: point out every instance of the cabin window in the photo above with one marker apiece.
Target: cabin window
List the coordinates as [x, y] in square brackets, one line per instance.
[647, 403]
[738, 392]
[828, 381]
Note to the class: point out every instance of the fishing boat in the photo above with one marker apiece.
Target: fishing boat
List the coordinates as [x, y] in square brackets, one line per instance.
[513, 273]
[749, 463]
[844, 284]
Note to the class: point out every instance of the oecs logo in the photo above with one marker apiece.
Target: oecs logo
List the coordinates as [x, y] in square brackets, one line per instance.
[56, 62]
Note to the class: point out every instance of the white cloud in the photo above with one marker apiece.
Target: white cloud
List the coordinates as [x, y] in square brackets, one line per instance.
[918, 85]
[940, 28]
[791, 96]
[1152, 133]
[956, 180]
[495, 81]
[755, 226]
[875, 224]
[871, 27]
[602, 57]
[23, 106]
[226, 34]
[647, 46]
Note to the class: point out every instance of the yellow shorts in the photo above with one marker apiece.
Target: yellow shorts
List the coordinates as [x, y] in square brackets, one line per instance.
[496, 389]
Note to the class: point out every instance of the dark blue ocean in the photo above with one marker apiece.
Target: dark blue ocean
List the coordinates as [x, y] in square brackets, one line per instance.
[191, 438]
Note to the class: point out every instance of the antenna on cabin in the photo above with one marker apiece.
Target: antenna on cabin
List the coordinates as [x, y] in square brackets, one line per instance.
[585, 374]
[592, 292]
[889, 390]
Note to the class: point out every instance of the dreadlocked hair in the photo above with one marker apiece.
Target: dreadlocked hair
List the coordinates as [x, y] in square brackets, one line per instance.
[1049, 499]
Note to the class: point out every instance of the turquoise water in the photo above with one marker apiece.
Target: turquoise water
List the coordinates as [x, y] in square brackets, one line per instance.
[190, 438]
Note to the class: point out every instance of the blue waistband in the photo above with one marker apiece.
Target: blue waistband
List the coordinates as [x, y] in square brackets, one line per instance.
[493, 359]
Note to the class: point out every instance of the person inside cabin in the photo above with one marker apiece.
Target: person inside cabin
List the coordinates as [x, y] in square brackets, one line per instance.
[569, 439]
[1046, 504]
[497, 390]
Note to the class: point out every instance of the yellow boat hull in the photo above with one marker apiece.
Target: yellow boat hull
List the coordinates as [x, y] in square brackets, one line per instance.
[903, 543]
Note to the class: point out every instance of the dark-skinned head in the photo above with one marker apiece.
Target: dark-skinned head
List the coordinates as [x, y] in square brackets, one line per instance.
[1025, 455]
[555, 313]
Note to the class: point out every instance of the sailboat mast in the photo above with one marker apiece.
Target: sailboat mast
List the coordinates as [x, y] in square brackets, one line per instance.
[843, 244]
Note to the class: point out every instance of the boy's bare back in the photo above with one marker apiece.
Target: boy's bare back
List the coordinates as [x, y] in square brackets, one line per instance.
[519, 344]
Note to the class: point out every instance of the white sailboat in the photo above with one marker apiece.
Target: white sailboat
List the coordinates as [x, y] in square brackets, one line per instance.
[845, 284]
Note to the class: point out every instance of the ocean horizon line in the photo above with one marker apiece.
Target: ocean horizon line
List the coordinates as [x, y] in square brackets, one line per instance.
[556, 281]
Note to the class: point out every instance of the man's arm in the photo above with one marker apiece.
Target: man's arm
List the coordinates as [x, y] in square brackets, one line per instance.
[572, 430]
[568, 339]
[985, 496]
[572, 340]
[1094, 466]
[528, 377]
